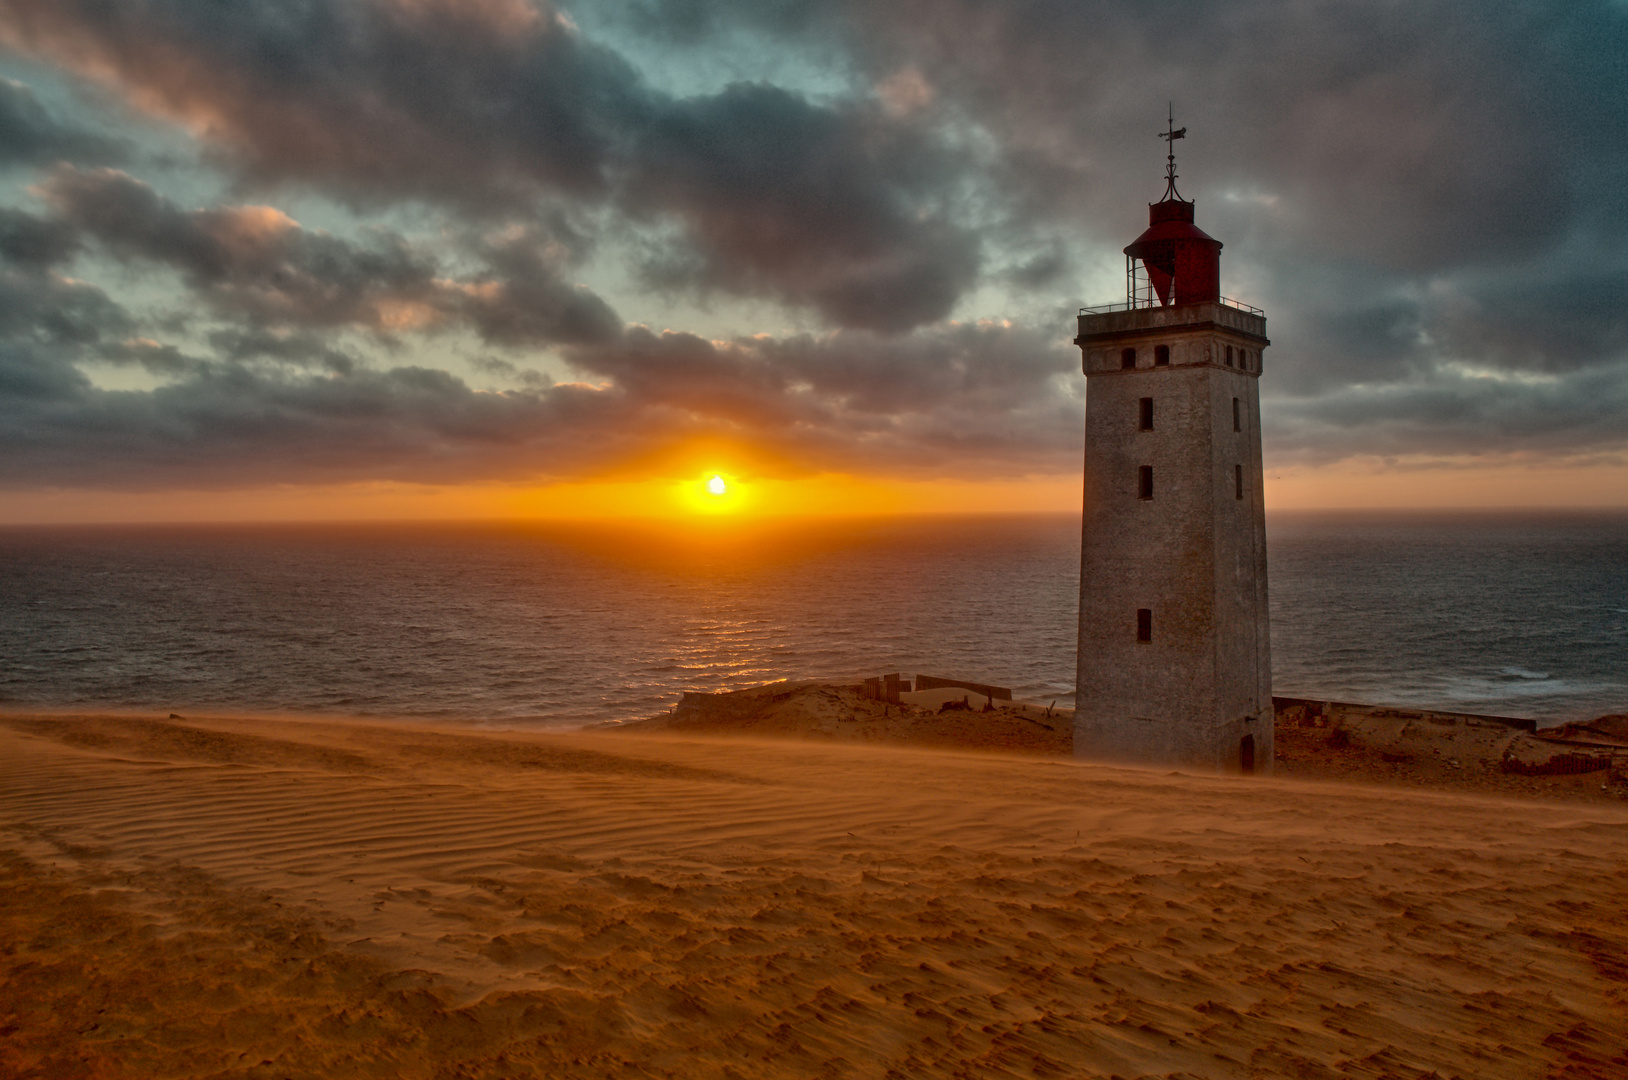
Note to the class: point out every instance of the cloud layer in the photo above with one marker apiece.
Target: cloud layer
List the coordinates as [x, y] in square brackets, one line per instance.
[485, 106]
[1425, 197]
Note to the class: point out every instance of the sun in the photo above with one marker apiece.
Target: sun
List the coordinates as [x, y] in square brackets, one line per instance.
[713, 493]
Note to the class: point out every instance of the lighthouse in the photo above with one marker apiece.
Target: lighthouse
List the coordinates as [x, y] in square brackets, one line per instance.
[1174, 652]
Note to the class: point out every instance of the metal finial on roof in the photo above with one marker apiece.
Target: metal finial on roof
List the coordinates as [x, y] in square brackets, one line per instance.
[1170, 134]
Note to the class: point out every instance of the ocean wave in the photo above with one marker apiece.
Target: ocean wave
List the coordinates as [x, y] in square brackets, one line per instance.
[1414, 616]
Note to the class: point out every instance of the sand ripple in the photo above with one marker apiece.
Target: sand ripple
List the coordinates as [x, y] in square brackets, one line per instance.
[229, 898]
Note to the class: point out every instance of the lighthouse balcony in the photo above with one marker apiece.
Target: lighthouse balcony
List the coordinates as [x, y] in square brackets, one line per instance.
[1137, 317]
[1153, 302]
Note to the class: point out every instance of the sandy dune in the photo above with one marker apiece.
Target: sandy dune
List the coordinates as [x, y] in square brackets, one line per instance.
[235, 898]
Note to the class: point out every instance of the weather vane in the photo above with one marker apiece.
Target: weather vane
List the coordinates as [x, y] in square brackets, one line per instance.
[1170, 134]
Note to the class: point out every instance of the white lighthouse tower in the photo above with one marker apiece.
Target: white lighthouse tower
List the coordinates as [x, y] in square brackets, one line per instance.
[1174, 655]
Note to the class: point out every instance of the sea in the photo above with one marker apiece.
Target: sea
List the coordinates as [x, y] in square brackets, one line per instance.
[564, 625]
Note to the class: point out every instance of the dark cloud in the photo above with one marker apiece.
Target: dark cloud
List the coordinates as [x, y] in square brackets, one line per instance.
[1426, 198]
[523, 298]
[258, 262]
[299, 348]
[435, 98]
[34, 382]
[259, 407]
[229, 425]
[493, 104]
[43, 306]
[966, 399]
[30, 136]
[787, 198]
[1416, 135]
[231, 419]
[1565, 315]
[47, 323]
[253, 259]
[492, 365]
[156, 358]
[35, 242]
[1441, 410]
[1414, 140]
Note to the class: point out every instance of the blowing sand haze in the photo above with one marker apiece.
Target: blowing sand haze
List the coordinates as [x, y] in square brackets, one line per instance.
[221, 899]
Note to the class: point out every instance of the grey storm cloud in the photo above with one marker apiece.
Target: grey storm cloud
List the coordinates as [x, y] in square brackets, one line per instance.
[284, 407]
[257, 261]
[1429, 194]
[809, 202]
[983, 395]
[490, 105]
[1412, 135]
[29, 135]
[1426, 197]
[273, 398]
[523, 299]
[44, 307]
[1581, 414]
[300, 349]
[28, 240]
[259, 407]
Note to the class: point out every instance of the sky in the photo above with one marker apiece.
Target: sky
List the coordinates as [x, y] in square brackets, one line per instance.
[493, 258]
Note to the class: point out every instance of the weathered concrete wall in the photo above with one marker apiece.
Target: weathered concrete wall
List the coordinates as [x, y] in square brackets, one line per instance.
[1194, 554]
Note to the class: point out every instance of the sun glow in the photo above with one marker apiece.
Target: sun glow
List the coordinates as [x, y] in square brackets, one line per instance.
[713, 493]
[1352, 485]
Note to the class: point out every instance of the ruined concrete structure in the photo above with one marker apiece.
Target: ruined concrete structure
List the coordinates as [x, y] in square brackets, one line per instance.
[1174, 656]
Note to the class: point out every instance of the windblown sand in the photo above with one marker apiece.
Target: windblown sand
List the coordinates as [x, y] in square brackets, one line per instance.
[258, 899]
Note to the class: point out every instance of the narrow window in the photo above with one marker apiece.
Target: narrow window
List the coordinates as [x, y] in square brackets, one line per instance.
[1237, 481]
[1229, 355]
[1146, 418]
[1144, 482]
[1127, 359]
[1246, 755]
[1243, 359]
[1161, 355]
[1237, 416]
[1144, 625]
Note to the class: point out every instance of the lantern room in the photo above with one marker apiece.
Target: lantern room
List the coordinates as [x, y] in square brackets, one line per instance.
[1174, 262]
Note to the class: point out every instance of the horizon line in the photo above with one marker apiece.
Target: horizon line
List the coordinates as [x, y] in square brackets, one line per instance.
[723, 523]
